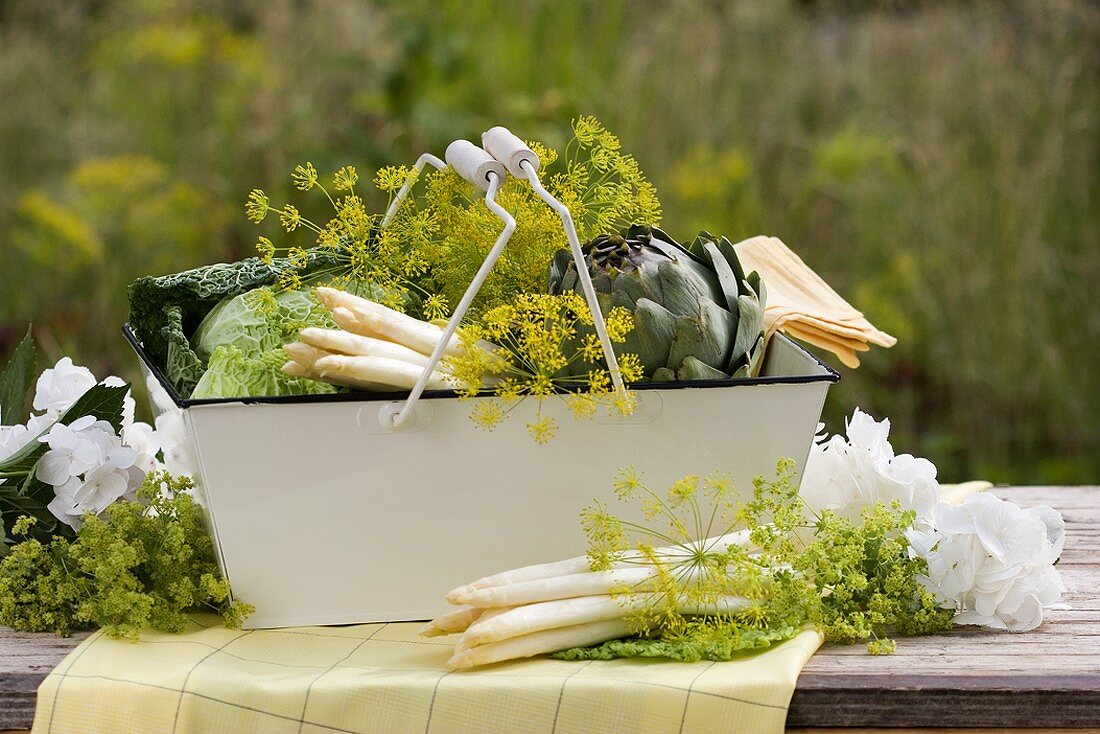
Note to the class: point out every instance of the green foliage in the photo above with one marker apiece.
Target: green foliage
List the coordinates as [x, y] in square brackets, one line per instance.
[145, 564]
[854, 582]
[16, 382]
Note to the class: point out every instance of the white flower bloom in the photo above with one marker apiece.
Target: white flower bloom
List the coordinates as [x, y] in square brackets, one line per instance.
[64, 505]
[102, 486]
[13, 438]
[991, 561]
[89, 467]
[72, 452]
[849, 474]
[61, 385]
[144, 440]
[175, 444]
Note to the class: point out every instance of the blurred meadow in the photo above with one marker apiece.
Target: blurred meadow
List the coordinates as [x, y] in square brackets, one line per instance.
[937, 162]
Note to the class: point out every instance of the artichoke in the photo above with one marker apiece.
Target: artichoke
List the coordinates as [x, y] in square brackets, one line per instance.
[697, 316]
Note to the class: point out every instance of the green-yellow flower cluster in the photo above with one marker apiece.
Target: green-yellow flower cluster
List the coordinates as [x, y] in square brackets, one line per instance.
[534, 342]
[143, 564]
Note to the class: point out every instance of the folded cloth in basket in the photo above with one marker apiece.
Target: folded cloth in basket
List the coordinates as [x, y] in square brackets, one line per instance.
[804, 306]
[384, 678]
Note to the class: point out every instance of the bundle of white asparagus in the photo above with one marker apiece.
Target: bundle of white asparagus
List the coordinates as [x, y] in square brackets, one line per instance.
[555, 606]
[375, 348]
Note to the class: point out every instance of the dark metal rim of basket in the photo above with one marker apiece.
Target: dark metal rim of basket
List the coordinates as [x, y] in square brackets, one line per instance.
[830, 375]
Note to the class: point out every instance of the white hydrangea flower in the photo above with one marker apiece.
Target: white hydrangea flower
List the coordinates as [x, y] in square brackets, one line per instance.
[72, 451]
[992, 561]
[849, 474]
[144, 440]
[102, 485]
[13, 438]
[89, 467]
[64, 505]
[61, 385]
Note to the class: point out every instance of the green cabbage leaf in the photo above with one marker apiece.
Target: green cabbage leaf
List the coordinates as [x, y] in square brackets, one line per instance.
[242, 339]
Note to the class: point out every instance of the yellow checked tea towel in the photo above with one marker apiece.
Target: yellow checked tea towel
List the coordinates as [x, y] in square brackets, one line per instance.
[383, 678]
[802, 304]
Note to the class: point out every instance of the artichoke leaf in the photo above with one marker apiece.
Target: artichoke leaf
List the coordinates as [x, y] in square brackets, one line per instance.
[750, 321]
[569, 280]
[558, 267]
[726, 277]
[652, 335]
[664, 374]
[756, 360]
[693, 369]
[683, 288]
[726, 248]
[708, 337]
[601, 282]
[630, 283]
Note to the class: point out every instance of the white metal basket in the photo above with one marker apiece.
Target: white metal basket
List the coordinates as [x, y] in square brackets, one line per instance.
[323, 513]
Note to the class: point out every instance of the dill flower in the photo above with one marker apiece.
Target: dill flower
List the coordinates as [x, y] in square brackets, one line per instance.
[543, 349]
[257, 206]
[345, 178]
[289, 218]
[265, 248]
[304, 177]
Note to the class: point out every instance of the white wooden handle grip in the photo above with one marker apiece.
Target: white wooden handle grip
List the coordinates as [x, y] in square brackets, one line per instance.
[473, 163]
[509, 150]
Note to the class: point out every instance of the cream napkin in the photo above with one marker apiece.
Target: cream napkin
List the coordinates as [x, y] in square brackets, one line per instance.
[804, 306]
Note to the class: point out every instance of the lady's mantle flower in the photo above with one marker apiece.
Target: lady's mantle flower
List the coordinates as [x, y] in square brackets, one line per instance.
[60, 386]
[848, 475]
[992, 561]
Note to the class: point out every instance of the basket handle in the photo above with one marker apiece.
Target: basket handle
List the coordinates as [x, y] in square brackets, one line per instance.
[523, 163]
[488, 174]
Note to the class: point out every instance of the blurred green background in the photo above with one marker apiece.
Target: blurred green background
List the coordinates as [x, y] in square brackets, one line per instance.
[937, 162]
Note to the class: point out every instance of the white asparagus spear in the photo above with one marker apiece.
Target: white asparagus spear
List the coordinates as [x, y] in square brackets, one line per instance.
[487, 614]
[457, 621]
[304, 354]
[375, 320]
[334, 297]
[306, 357]
[580, 564]
[530, 618]
[538, 643]
[339, 341]
[558, 587]
[369, 372]
[294, 369]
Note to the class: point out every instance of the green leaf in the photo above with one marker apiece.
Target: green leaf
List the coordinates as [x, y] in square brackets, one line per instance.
[16, 381]
[102, 401]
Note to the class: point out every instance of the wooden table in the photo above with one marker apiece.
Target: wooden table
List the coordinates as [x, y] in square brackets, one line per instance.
[1047, 678]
